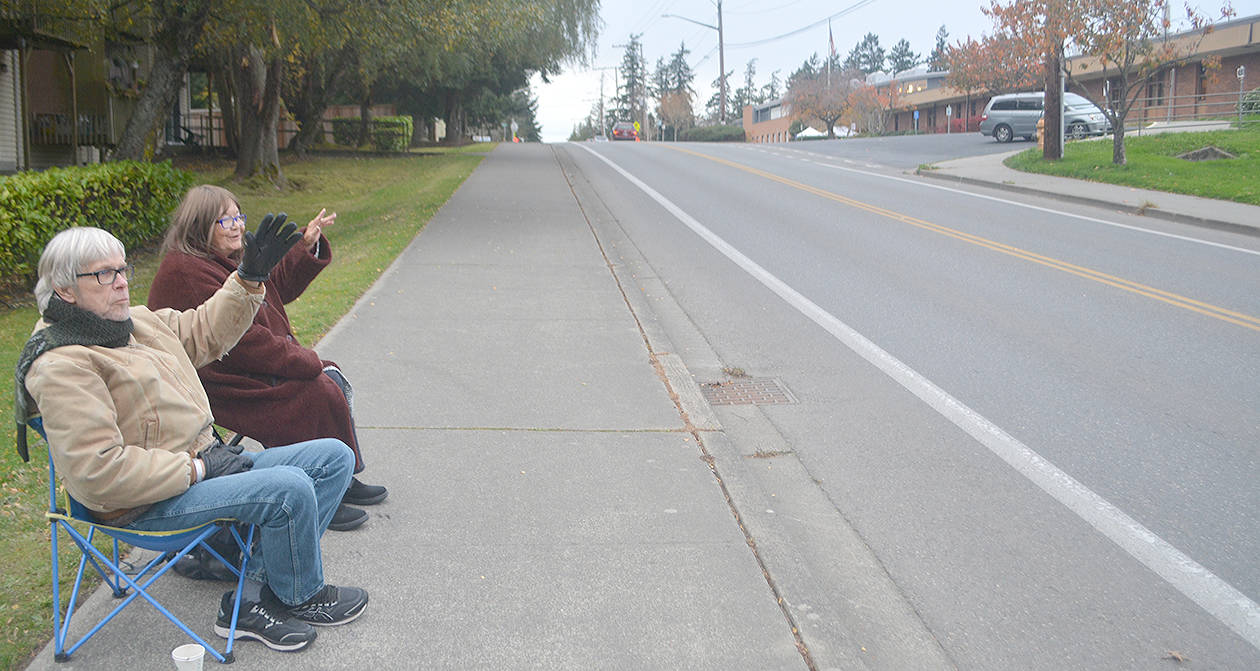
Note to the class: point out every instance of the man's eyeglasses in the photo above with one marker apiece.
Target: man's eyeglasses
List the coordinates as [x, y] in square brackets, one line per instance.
[227, 223]
[110, 275]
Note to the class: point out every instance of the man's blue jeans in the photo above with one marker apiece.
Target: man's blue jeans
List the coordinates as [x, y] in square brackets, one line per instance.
[291, 493]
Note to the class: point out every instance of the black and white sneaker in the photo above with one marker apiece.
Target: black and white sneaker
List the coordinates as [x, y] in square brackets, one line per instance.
[330, 606]
[266, 621]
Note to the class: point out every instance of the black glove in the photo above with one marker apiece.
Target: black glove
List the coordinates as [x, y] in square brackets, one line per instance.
[265, 247]
[220, 461]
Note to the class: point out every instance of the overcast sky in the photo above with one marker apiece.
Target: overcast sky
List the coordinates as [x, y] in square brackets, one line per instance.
[567, 99]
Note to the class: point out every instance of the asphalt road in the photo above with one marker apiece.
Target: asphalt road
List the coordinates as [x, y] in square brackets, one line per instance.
[1043, 427]
[907, 151]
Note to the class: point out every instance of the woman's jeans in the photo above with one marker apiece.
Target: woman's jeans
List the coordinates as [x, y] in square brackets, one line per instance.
[291, 493]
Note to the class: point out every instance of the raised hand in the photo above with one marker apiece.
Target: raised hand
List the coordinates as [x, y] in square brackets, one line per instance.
[265, 247]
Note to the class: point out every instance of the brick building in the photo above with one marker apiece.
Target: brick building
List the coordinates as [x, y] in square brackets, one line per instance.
[767, 122]
[1191, 90]
[1194, 89]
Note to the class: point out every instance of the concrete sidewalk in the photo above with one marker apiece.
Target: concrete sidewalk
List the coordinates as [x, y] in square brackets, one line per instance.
[549, 507]
[990, 171]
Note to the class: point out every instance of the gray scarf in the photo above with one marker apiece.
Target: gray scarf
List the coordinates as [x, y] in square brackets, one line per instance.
[67, 325]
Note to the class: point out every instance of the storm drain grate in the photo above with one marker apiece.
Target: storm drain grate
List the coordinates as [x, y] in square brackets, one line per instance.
[747, 391]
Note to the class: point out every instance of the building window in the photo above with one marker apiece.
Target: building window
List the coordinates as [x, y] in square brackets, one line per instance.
[1155, 91]
[1200, 83]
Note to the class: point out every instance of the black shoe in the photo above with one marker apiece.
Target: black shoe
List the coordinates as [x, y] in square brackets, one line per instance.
[347, 518]
[330, 607]
[265, 620]
[201, 565]
[360, 494]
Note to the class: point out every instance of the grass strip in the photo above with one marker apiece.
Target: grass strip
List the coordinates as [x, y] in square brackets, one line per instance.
[1153, 164]
[381, 203]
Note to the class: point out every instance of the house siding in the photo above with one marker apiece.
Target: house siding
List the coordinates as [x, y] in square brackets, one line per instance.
[10, 113]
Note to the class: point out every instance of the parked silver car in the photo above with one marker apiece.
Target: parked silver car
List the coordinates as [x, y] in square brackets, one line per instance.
[1016, 114]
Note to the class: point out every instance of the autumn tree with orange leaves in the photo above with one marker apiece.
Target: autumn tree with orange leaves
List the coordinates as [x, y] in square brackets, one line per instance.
[1028, 43]
[826, 97]
[874, 106]
[992, 66]
[1125, 37]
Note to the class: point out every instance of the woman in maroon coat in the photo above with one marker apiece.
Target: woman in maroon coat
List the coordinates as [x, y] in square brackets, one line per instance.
[269, 387]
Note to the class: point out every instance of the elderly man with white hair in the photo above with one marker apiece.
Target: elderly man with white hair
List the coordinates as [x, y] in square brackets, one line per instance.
[130, 428]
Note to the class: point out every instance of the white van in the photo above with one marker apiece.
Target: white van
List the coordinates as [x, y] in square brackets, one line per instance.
[1016, 114]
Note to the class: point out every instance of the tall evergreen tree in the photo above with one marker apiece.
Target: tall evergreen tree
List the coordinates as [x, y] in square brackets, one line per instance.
[633, 94]
[773, 88]
[715, 102]
[938, 61]
[901, 58]
[680, 74]
[867, 56]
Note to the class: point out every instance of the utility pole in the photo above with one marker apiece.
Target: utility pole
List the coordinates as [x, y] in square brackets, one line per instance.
[721, 64]
[721, 54]
[603, 127]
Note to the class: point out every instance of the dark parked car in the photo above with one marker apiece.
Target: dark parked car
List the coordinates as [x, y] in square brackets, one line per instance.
[624, 130]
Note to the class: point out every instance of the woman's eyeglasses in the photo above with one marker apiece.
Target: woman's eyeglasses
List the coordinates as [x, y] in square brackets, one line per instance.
[110, 275]
[227, 223]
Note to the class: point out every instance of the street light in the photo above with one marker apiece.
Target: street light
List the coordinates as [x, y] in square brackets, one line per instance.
[721, 55]
[1241, 73]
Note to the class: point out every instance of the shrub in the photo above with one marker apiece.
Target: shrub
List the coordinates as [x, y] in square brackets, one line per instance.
[130, 199]
[713, 134]
[386, 133]
[391, 133]
[345, 131]
[1251, 102]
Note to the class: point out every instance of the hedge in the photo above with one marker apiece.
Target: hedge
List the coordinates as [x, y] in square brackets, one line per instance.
[1251, 102]
[345, 131]
[713, 134]
[387, 133]
[391, 133]
[132, 200]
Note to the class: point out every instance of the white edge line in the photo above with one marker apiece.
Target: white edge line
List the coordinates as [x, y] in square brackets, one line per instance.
[1036, 207]
[1212, 594]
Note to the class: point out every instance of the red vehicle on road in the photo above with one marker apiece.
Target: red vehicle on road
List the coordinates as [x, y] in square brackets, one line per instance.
[624, 130]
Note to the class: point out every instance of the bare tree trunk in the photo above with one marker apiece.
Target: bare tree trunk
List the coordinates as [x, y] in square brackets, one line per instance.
[151, 109]
[1117, 143]
[454, 105]
[1052, 113]
[365, 119]
[225, 85]
[179, 24]
[1123, 104]
[258, 89]
[307, 105]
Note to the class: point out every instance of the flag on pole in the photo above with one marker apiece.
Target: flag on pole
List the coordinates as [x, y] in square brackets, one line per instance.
[831, 40]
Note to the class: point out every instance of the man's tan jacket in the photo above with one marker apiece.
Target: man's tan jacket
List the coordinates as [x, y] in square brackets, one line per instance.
[124, 422]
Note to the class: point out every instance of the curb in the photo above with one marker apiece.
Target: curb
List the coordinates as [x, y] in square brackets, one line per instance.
[1154, 213]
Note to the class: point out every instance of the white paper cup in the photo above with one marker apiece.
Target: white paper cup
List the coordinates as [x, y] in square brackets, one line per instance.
[188, 657]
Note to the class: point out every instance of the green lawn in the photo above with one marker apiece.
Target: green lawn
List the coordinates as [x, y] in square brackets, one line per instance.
[1153, 164]
[381, 204]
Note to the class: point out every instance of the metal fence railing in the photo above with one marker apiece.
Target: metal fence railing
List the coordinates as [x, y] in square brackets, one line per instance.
[1191, 110]
[56, 129]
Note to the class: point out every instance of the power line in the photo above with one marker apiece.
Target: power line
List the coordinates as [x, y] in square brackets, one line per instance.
[764, 10]
[851, 8]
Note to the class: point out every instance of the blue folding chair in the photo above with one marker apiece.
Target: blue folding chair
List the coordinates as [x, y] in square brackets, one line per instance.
[171, 545]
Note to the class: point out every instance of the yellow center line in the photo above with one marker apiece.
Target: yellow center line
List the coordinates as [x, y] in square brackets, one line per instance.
[1214, 311]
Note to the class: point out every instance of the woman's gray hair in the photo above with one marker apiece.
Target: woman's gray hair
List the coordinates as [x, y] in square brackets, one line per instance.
[67, 254]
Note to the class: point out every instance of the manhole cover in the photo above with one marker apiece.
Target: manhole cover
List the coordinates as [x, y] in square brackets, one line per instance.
[747, 391]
